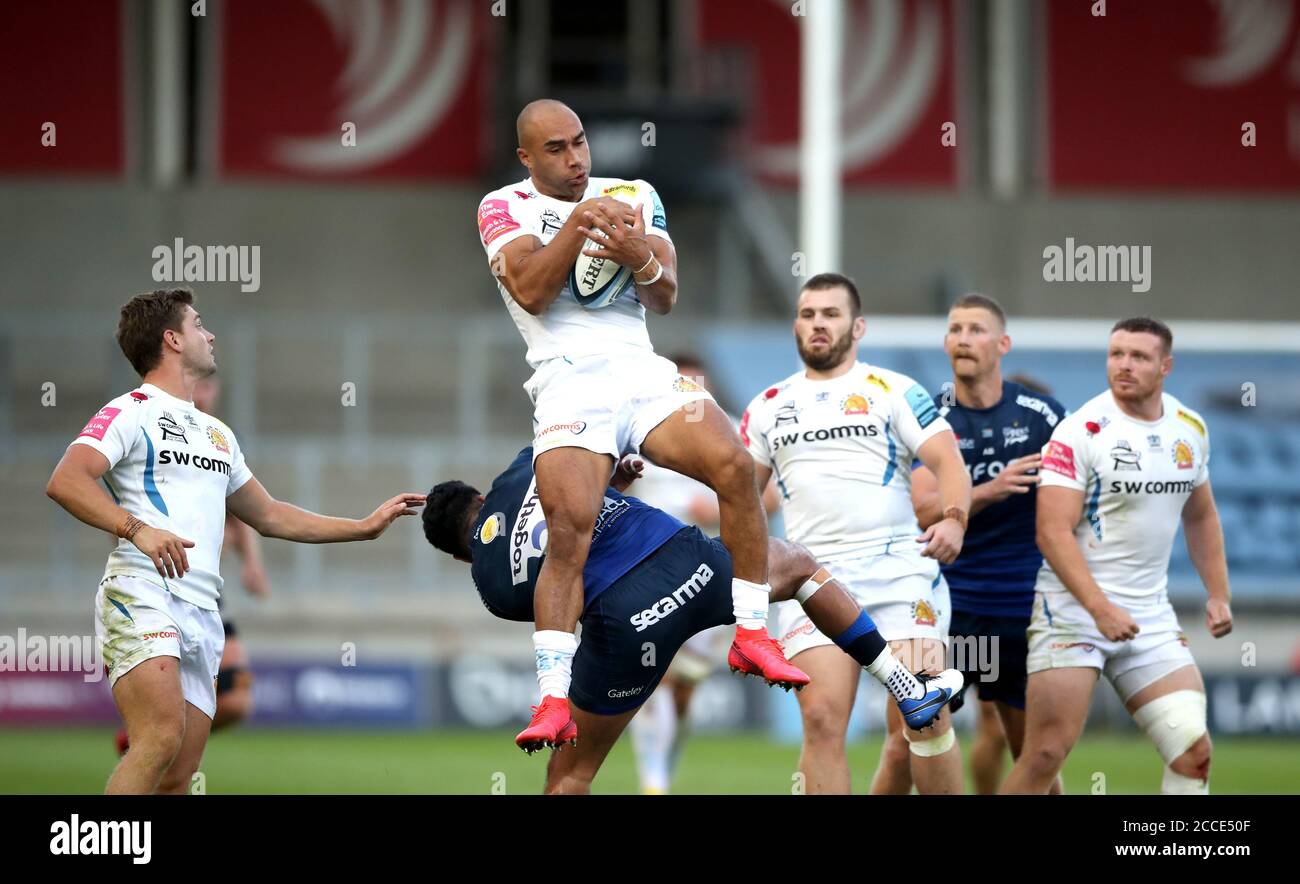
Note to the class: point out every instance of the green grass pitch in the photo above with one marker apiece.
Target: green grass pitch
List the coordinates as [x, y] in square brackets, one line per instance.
[464, 762]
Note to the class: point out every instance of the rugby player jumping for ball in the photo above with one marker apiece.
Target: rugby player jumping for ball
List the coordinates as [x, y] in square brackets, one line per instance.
[599, 390]
[651, 582]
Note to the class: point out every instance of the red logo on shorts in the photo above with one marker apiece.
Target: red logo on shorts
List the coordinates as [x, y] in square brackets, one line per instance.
[806, 629]
[574, 427]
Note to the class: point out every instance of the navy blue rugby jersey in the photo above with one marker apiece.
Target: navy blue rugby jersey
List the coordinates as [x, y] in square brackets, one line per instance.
[999, 561]
[508, 542]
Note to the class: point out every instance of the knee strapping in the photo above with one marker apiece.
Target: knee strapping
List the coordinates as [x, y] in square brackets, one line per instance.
[1174, 722]
[933, 746]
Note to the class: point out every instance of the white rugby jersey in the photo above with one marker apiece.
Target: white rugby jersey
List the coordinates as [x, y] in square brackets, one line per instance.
[1135, 477]
[841, 454]
[172, 467]
[566, 328]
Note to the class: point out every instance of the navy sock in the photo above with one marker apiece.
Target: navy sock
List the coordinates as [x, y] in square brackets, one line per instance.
[862, 640]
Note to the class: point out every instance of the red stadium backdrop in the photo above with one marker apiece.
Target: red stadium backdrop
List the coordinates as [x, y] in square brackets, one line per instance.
[899, 72]
[63, 64]
[1155, 93]
[408, 73]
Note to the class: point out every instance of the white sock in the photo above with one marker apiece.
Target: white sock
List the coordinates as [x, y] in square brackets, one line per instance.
[654, 729]
[555, 650]
[749, 603]
[890, 671]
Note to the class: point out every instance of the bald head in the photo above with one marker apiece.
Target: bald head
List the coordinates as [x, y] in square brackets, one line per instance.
[542, 120]
[553, 146]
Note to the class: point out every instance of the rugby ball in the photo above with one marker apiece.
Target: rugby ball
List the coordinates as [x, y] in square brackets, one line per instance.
[598, 282]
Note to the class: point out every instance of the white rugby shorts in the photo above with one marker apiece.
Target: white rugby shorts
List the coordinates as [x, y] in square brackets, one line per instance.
[606, 403]
[1063, 634]
[137, 620]
[903, 592]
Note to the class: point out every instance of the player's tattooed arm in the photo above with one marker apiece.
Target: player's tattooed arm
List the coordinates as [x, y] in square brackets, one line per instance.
[276, 518]
[1204, 535]
[1059, 510]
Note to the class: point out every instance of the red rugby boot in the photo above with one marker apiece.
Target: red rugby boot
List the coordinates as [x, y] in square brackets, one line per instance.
[551, 727]
[754, 652]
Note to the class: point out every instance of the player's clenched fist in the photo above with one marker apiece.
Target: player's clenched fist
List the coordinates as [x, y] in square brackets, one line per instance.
[943, 541]
[1114, 622]
[165, 550]
[404, 504]
[1218, 617]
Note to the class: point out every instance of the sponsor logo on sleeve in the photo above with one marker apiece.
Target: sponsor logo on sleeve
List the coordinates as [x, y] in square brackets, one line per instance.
[660, 218]
[878, 381]
[494, 219]
[1184, 416]
[684, 384]
[1059, 458]
[624, 189]
[98, 425]
[922, 405]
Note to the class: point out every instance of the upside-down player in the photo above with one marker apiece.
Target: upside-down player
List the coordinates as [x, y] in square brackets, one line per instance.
[172, 473]
[1118, 475]
[599, 390]
[650, 583]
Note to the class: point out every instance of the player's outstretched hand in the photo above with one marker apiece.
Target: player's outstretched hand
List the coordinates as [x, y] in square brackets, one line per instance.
[629, 469]
[1016, 478]
[405, 504]
[1218, 617]
[943, 541]
[1115, 623]
[620, 243]
[165, 550]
